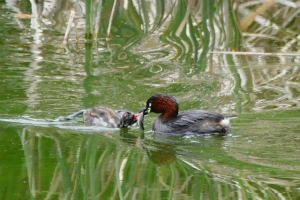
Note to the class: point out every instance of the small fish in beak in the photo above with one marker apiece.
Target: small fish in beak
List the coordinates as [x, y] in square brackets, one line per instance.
[141, 120]
[142, 114]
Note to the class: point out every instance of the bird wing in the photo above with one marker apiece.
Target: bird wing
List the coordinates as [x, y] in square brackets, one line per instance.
[197, 120]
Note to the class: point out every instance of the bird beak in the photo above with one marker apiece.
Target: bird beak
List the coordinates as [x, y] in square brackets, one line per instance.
[145, 111]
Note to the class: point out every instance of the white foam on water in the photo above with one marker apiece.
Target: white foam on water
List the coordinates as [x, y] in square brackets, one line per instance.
[71, 125]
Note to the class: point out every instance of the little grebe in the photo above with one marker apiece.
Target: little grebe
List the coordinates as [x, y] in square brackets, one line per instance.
[193, 121]
[106, 117]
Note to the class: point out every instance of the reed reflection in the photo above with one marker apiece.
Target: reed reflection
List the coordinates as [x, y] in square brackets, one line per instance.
[104, 165]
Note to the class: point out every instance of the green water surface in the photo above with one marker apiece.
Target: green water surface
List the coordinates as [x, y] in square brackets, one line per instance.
[42, 79]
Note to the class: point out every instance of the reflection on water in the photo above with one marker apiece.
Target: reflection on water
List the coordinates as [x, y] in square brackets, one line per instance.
[178, 47]
[64, 164]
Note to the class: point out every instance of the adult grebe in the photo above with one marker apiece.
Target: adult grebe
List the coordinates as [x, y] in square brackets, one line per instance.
[193, 121]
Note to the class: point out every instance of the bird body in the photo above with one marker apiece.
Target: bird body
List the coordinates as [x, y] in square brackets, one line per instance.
[106, 117]
[194, 121]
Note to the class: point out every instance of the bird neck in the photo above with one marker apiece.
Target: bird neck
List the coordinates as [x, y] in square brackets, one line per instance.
[169, 113]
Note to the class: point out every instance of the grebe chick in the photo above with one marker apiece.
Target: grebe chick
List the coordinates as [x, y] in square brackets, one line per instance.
[106, 117]
[193, 121]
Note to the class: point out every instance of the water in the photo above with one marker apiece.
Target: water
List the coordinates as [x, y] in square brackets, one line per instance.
[41, 79]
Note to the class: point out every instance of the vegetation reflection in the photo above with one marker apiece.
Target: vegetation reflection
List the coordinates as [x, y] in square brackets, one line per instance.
[93, 167]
